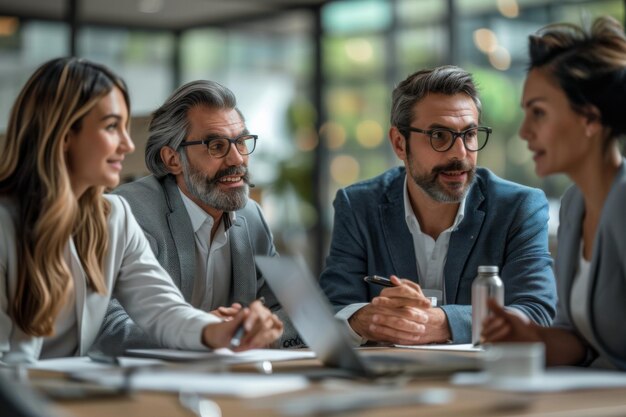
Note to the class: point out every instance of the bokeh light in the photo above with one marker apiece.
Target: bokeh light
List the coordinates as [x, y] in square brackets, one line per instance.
[359, 50]
[500, 59]
[344, 169]
[333, 134]
[369, 133]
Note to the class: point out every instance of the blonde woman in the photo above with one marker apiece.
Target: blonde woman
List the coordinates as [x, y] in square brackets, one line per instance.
[65, 247]
[574, 100]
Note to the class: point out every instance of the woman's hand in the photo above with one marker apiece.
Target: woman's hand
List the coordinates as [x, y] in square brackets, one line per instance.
[505, 326]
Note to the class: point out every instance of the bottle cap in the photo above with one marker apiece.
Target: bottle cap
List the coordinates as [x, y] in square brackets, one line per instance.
[488, 268]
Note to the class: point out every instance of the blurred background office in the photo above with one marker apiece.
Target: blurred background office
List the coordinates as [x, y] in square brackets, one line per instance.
[312, 77]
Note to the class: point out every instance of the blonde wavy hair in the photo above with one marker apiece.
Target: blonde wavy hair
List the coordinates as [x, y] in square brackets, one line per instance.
[34, 174]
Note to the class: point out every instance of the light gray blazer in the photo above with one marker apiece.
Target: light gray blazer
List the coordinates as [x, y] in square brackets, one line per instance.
[607, 298]
[161, 213]
[130, 271]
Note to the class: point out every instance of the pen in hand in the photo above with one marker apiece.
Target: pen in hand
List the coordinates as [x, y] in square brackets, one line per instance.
[235, 342]
[376, 279]
[386, 282]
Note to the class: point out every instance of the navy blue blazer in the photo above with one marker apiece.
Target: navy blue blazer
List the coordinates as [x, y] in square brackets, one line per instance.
[505, 224]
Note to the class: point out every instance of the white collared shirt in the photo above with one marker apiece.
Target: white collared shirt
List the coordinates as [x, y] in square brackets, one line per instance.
[431, 258]
[213, 275]
[430, 254]
[579, 300]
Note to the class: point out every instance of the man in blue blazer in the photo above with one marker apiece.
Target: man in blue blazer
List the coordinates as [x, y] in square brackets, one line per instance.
[195, 211]
[433, 222]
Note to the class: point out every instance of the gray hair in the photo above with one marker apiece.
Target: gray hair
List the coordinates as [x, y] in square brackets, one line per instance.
[447, 79]
[169, 123]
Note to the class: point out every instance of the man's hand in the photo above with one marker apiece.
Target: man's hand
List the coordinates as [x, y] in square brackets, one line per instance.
[261, 326]
[401, 315]
[437, 329]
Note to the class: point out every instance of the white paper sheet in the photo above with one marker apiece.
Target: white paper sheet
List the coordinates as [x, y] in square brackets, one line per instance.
[445, 346]
[152, 357]
[237, 384]
[552, 380]
[83, 363]
[224, 355]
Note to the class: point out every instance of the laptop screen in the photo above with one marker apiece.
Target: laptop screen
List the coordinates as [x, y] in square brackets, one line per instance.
[309, 310]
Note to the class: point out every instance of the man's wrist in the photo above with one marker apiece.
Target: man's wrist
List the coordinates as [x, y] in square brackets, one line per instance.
[347, 313]
[438, 321]
[355, 323]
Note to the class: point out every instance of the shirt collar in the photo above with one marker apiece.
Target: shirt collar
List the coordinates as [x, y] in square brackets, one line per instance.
[198, 216]
[409, 214]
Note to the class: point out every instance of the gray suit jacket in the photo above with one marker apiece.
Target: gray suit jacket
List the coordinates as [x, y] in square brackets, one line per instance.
[607, 297]
[161, 213]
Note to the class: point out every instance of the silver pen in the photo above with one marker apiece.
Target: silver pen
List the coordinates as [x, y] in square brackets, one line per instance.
[235, 342]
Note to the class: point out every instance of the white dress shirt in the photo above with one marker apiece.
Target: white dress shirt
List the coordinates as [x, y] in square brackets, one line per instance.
[213, 275]
[579, 297]
[430, 254]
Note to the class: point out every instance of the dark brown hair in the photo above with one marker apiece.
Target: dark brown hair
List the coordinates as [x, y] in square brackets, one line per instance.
[589, 65]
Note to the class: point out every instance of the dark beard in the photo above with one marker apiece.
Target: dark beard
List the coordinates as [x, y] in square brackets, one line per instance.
[439, 193]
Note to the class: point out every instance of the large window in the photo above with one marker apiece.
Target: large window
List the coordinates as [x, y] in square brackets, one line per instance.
[368, 46]
[23, 47]
[363, 62]
[142, 58]
[268, 67]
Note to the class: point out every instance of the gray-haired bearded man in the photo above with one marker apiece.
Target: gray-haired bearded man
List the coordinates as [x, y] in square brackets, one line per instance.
[195, 211]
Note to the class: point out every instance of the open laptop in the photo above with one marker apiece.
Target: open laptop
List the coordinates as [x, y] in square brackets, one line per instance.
[311, 314]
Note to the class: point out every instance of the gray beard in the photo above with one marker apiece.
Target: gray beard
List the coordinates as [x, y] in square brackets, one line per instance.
[207, 189]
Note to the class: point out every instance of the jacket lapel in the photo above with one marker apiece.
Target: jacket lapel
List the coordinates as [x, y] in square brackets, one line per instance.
[569, 236]
[462, 240]
[396, 233]
[596, 339]
[243, 273]
[83, 317]
[182, 232]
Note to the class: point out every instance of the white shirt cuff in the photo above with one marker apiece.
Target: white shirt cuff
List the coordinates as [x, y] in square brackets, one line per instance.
[518, 313]
[344, 314]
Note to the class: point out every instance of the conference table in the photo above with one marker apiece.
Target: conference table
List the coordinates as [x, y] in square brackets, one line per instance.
[453, 400]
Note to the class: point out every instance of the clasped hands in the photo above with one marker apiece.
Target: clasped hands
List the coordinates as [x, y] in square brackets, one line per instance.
[262, 327]
[401, 315]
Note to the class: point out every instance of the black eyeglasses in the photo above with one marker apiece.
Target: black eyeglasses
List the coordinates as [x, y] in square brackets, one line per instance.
[442, 139]
[219, 147]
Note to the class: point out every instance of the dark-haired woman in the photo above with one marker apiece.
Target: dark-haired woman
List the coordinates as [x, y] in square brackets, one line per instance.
[574, 99]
